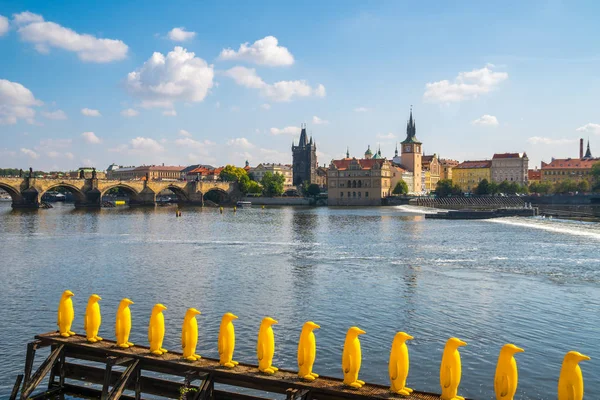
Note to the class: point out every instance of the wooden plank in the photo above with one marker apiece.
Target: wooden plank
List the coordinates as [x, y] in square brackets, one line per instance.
[120, 385]
[205, 389]
[15, 389]
[41, 372]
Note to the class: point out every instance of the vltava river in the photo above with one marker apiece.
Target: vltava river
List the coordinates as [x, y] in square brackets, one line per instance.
[535, 283]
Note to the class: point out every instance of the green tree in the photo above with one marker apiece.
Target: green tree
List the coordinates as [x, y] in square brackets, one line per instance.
[254, 187]
[565, 186]
[483, 188]
[305, 186]
[504, 187]
[445, 188]
[272, 184]
[583, 186]
[400, 188]
[232, 173]
[313, 190]
[493, 188]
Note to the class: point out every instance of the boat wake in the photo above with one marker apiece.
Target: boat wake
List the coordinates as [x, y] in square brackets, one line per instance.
[576, 228]
[418, 210]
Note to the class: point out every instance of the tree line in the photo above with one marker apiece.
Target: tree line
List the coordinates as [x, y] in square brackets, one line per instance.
[270, 185]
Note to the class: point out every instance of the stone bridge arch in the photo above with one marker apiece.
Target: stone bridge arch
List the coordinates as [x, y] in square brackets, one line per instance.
[216, 195]
[14, 193]
[135, 196]
[80, 197]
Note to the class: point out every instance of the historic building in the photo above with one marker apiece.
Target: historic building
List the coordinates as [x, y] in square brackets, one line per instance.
[575, 169]
[304, 159]
[511, 167]
[410, 158]
[431, 172]
[358, 182]
[153, 172]
[446, 166]
[468, 174]
[534, 176]
[321, 177]
[399, 173]
[204, 173]
[283, 169]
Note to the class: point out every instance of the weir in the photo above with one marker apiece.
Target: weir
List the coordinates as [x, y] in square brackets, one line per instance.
[71, 373]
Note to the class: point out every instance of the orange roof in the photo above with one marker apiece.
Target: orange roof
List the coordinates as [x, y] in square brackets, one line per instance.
[570, 163]
[364, 163]
[509, 155]
[474, 164]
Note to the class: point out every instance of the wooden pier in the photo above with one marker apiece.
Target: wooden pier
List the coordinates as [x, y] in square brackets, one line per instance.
[124, 373]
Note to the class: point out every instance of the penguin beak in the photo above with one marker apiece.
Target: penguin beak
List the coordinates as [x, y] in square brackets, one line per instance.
[361, 332]
[129, 302]
[69, 293]
[584, 357]
[234, 316]
[518, 350]
[273, 322]
[317, 326]
[461, 343]
[408, 337]
[196, 312]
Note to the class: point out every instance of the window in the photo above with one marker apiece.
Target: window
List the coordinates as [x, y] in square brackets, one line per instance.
[366, 194]
[359, 195]
[341, 194]
[348, 194]
[353, 194]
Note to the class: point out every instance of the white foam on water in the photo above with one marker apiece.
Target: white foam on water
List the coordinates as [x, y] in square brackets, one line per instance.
[418, 210]
[591, 230]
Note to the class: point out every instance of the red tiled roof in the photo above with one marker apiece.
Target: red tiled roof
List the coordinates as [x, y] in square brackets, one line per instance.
[534, 174]
[509, 155]
[448, 163]
[474, 164]
[570, 163]
[364, 163]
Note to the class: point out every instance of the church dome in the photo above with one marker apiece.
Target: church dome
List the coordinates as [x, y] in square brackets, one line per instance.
[368, 152]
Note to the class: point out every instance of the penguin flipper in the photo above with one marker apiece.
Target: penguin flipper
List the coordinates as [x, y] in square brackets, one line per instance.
[394, 372]
[447, 376]
[504, 385]
[220, 343]
[300, 355]
[260, 351]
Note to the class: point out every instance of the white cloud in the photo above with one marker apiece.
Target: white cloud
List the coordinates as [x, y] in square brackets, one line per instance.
[265, 51]
[16, 102]
[281, 91]
[130, 112]
[288, 130]
[265, 106]
[142, 144]
[178, 76]
[54, 144]
[69, 155]
[318, 121]
[386, 136]
[57, 115]
[88, 112]
[3, 25]
[199, 147]
[184, 133]
[589, 128]
[53, 154]
[30, 153]
[486, 120]
[44, 35]
[91, 138]
[180, 34]
[169, 113]
[545, 140]
[240, 142]
[466, 86]
[361, 109]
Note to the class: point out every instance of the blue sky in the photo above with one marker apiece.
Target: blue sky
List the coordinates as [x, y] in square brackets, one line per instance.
[91, 83]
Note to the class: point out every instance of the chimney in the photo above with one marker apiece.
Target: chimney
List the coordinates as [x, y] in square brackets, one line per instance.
[580, 148]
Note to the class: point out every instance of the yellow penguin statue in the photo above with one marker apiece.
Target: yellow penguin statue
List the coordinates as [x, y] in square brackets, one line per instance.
[507, 377]
[265, 347]
[92, 319]
[65, 315]
[352, 357]
[307, 351]
[156, 330]
[399, 364]
[450, 370]
[227, 341]
[189, 335]
[123, 324]
[570, 382]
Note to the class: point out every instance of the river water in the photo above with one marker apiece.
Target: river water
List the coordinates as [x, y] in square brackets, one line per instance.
[532, 282]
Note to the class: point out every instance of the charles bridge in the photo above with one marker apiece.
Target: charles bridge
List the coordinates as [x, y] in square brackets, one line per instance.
[27, 192]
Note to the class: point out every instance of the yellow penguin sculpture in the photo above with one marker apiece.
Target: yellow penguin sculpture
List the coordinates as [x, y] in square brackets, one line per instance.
[227, 341]
[189, 335]
[65, 315]
[352, 358]
[265, 347]
[570, 382]
[450, 370]
[399, 364]
[507, 377]
[307, 351]
[92, 319]
[123, 324]
[156, 330]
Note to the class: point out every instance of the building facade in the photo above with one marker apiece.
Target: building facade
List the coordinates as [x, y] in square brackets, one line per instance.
[446, 166]
[511, 167]
[204, 173]
[410, 156]
[304, 160]
[399, 173]
[283, 169]
[468, 174]
[575, 169]
[431, 172]
[153, 172]
[358, 182]
[534, 176]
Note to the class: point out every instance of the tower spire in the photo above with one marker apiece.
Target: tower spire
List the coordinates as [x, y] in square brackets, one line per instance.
[347, 152]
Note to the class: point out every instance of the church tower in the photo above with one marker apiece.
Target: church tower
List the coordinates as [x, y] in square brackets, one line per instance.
[304, 159]
[411, 154]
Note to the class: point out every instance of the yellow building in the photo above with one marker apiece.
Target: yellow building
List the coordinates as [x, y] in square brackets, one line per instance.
[468, 174]
[431, 171]
[358, 182]
[575, 169]
[261, 169]
[446, 166]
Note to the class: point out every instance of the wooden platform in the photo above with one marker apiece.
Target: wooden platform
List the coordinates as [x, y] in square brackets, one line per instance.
[63, 369]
